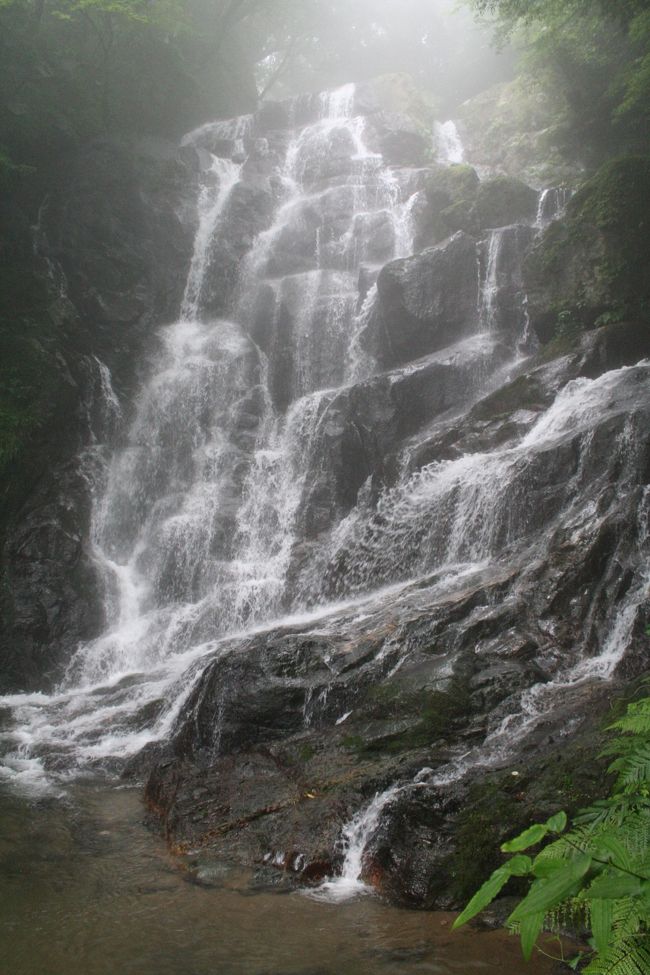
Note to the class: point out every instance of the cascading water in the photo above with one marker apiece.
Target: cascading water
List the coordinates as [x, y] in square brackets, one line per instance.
[194, 531]
[551, 205]
[228, 504]
[355, 837]
[448, 142]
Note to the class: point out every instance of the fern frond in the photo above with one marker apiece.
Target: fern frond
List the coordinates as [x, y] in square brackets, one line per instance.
[613, 811]
[636, 720]
[630, 956]
[627, 917]
[633, 769]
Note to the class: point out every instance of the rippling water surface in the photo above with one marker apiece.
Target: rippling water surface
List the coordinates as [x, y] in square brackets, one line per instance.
[86, 889]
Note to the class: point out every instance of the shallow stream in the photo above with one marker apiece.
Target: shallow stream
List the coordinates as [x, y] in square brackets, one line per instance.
[87, 889]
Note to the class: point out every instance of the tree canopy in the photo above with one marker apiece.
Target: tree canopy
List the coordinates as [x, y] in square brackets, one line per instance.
[597, 55]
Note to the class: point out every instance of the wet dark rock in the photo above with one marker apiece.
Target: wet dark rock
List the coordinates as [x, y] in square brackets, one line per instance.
[400, 138]
[114, 249]
[424, 302]
[365, 425]
[248, 212]
[504, 200]
[288, 734]
[457, 200]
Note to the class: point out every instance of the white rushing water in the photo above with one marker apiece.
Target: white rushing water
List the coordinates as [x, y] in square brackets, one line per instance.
[448, 142]
[551, 205]
[194, 529]
[354, 839]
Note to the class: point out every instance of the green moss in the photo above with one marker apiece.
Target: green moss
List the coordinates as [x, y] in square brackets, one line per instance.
[354, 743]
[306, 752]
[593, 265]
[437, 713]
[502, 804]
[488, 813]
[617, 198]
[504, 200]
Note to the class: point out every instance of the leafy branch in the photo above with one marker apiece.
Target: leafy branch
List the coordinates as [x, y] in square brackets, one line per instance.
[598, 870]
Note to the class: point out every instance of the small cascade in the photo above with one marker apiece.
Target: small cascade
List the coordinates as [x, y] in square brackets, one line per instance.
[551, 205]
[448, 143]
[218, 182]
[483, 502]
[360, 363]
[355, 838]
[489, 289]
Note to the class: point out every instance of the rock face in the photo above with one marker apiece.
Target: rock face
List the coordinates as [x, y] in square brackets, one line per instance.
[373, 561]
[112, 256]
[453, 699]
[593, 267]
[286, 734]
[516, 129]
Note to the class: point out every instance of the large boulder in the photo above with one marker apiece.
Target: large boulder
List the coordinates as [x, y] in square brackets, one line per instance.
[457, 200]
[424, 302]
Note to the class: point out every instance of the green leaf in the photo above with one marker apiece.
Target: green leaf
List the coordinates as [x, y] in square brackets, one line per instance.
[610, 848]
[529, 837]
[557, 823]
[519, 866]
[550, 891]
[543, 867]
[612, 885]
[535, 833]
[529, 929]
[483, 896]
[575, 961]
[602, 916]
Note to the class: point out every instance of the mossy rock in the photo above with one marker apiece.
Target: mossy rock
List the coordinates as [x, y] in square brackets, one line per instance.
[519, 128]
[593, 267]
[523, 393]
[505, 200]
[451, 204]
[504, 803]
[396, 93]
[399, 719]
[449, 184]
[458, 200]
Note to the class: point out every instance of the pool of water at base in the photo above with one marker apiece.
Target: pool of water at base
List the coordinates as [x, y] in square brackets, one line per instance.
[87, 889]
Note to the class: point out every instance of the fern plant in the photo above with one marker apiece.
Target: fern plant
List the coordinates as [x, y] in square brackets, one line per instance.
[595, 874]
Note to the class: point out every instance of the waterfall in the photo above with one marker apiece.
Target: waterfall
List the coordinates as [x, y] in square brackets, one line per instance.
[551, 205]
[489, 290]
[195, 527]
[273, 477]
[355, 837]
[217, 184]
[448, 143]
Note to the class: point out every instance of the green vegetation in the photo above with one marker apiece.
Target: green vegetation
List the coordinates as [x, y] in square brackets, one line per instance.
[596, 874]
[595, 55]
[591, 268]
